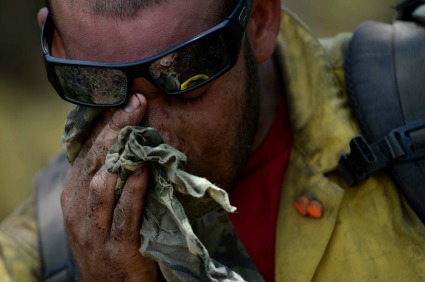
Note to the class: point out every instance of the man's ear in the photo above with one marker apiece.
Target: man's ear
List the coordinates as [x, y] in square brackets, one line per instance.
[41, 16]
[58, 49]
[263, 28]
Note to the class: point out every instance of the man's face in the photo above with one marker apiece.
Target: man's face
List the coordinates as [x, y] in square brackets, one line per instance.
[217, 124]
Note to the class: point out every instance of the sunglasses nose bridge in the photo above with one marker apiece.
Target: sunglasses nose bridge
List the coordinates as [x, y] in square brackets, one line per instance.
[145, 87]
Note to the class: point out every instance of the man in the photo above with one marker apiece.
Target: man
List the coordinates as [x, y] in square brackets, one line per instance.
[236, 132]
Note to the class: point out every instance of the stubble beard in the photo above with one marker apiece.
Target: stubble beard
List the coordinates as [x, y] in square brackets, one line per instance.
[241, 148]
[236, 151]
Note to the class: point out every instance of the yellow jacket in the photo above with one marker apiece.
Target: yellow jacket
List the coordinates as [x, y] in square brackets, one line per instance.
[367, 233]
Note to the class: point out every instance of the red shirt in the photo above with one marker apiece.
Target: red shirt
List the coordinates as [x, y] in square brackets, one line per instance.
[257, 193]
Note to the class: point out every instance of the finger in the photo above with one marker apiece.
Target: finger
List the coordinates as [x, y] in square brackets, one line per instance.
[92, 156]
[75, 195]
[128, 212]
[101, 202]
[95, 129]
[106, 131]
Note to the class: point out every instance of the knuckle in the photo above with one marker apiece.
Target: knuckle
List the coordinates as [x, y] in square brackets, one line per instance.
[95, 132]
[116, 123]
[72, 224]
[95, 158]
[100, 192]
[119, 226]
[99, 150]
[98, 183]
[64, 198]
[91, 165]
[69, 219]
[120, 218]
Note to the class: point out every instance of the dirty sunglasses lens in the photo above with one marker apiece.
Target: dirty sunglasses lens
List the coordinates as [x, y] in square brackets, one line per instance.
[191, 66]
[91, 85]
[178, 72]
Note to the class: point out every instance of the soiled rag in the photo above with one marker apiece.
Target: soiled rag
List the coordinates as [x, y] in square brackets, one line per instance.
[174, 202]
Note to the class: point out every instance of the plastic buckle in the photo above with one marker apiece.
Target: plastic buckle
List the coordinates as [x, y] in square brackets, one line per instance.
[356, 165]
[402, 134]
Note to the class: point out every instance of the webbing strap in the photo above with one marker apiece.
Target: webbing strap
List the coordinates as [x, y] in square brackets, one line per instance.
[402, 144]
[418, 139]
[57, 265]
[409, 47]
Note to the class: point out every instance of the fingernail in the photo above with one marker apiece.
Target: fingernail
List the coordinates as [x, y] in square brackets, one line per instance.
[133, 104]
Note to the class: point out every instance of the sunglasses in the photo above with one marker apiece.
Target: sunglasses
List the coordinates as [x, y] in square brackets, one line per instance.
[185, 67]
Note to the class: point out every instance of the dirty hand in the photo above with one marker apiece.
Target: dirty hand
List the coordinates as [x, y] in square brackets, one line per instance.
[104, 238]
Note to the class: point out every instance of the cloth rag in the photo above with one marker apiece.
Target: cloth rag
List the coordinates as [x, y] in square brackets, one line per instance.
[175, 199]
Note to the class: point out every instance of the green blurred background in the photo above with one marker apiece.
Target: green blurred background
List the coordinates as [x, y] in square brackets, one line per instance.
[32, 116]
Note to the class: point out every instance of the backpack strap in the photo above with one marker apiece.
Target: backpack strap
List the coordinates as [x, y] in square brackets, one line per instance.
[57, 264]
[385, 67]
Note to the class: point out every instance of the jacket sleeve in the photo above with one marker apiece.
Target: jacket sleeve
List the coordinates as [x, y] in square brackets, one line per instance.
[19, 258]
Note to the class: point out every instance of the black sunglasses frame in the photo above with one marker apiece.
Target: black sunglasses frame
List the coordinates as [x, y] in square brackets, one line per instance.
[231, 30]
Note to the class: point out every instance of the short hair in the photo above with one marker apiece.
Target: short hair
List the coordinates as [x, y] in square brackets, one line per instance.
[124, 9]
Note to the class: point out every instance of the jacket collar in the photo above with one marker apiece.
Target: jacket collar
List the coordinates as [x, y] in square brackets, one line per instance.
[317, 101]
[322, 126]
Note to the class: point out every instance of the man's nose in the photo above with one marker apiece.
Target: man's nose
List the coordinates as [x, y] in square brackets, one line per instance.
[156, 114]
[144, 87]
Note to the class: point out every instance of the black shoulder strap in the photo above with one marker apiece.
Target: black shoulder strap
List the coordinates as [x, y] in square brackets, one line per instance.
[56, 259]
[385, 74]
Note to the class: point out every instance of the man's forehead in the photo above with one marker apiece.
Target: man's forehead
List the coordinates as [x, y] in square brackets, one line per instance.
[121, 9]
[154, 28]
[127, 9]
